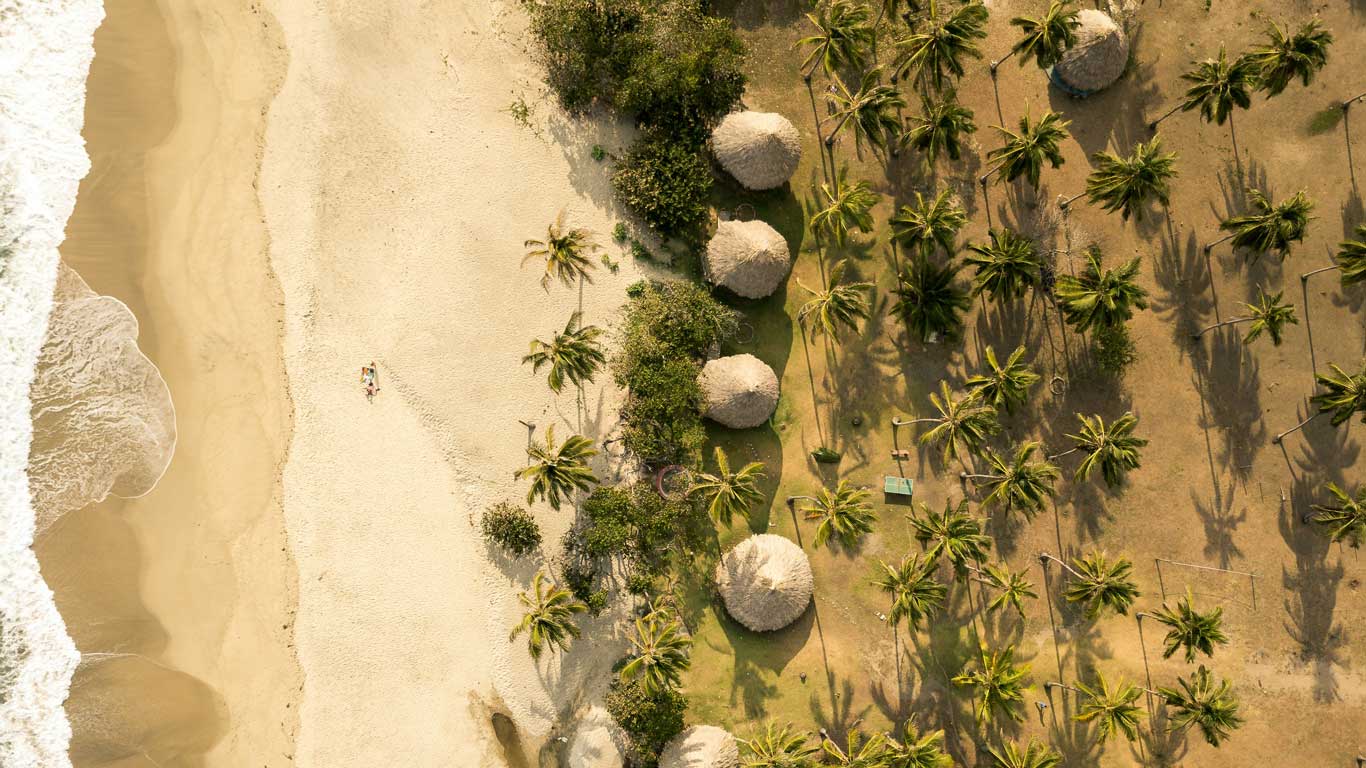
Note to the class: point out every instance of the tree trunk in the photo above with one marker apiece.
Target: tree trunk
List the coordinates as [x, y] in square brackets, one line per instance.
[1304, 278]
[1066, 203]
[1146, 671]
[1067, 452]
[1231, 321]
[811, 377]
[1352, 100]
[816, 115]
[1223, 239]
[1052, 622]
[1001, 61]
[1277, 439]
[1153, 125]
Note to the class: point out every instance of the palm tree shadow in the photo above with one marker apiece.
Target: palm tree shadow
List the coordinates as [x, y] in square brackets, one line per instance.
[1162, 747]
[1183, 279]
[836, 715]
[754, 652]
[1228, 377]
[1311, 595]
[1220, 523]
[1075, 741]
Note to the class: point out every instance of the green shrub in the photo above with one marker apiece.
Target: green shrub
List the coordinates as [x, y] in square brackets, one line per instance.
[636, 525]
[581, 578]
[648, 719]
[665, 183]
[1113, 348]
[587, 47]
[512, 528]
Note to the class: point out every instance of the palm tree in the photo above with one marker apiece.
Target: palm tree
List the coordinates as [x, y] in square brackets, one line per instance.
[863, 751]
[776, 747]
[1021, 484]
[1012, 588]
[1126, 184]
[1200, 702]
[836, 306]
[1350, 260]
[1345, 518]
[1045, 39]
[659, 652]
[1286, 57]
[844, 513]
[870, 112]
[1007, 266]
[1190, 630]
[1217, 86]
[916, 595]
[934, 51]
[999, 682]
[841, 39]
[1269, 315]
[1024, 153]
[929, 223]
[917, 751]
[928, 299]
[953, 535]
[728, 493]
[1344, 395]
[1113, 448]
[965, 421]
[940, 127]
[1003, 386]
[1112, 709]
[565, 253]
[573, 355]
[549, 617]
[1269, 227]
[1035, 755]
[557, 472]
[1101, 297]
[1099, 583]
[846, 205]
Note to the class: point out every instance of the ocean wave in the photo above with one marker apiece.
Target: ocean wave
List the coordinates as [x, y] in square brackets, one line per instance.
[45, 51]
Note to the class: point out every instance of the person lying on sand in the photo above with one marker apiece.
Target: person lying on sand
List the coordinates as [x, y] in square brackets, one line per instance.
[369, 376]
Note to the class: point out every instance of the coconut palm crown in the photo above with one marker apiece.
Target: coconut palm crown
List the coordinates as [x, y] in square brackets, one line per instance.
[1047, 38]
[931, 222]
[1218, 86]
[869, 112]
[1035, 754]
[1003, 386]
[659, 652]
[964, 422]
[843, 35]
[1189, 630]
[565, 253]
[1101, 297]
[999, 683]
[777, 747]
[940, 127]
[1110, 707]
[1344, 394]
[952, 535]
[929, 299]
[1113, 448]
[556, 472]
[549, 620]
[1007, 265]
[1020, 483]
[845, 514]
[836, 306]
[846, 206]
[1286, 57]
[726, 493]
[1270, 228]
[1025, 152]
[935, 49]
[574, 355]
[916, 595]
[1100, 583]
[1270, 315]
[1202, 703]
[1126, 184]
[1345, 517]
[1012, 588]
[916, 750]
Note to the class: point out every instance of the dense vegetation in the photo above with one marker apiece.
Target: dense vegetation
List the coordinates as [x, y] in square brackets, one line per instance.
[510, 527]
[649, 719]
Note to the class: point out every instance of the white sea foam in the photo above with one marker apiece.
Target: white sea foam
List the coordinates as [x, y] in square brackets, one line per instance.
[45, 51]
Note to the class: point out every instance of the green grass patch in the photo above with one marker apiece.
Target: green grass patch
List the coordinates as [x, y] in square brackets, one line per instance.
[1325, 120]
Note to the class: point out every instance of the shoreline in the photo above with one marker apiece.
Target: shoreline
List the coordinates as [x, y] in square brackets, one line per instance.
[182, 600]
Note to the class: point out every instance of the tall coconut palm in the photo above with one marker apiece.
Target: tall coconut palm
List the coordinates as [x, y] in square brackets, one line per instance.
[1345, 518]
[1012, 588]
[934, 52]
[1113, 448]
[556, 472]
[916, 595]
[1344, 394]
[929, 299]
[1217, 87]
[845, 514]
[1269, 315]
[999, 685]
[1024, 152]
[846, 206]
[952, 535]
[1127, 184]
[574, 355]
[1101, 297]
[1350, 260]
[870, 112]
[776, 747]
[1007, 265]
[1046, 38]
[1269, 228]
[565, 253]
[862, 751]
[1021, 484]
[1036, 754]
[1202, 703]
[1099, 583]
[841, 40]
[549, 617]
[1003, 387]
[660, 652]
[964, 422]
[1286, 57]
[929, 223]
[1190, 630]
[836, 306]
[726, 493]
[1111, 708]
[941, 126]
[916, 750]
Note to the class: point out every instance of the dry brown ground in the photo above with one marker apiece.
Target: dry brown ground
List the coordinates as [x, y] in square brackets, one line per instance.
[1212, 490]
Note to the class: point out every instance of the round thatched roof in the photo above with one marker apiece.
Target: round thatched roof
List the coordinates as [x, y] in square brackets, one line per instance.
[741, 390]
[748, 257]
[765, 581]
[1098, 57]
[595, 743]
[760, 149]
[701, 746]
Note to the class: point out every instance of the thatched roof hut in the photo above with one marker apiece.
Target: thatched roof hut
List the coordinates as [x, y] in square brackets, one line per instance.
[765, 581]
[748, 257]
[760, 149]
[1098, 57]
[596, 742]
[701, 746]
[741, 390]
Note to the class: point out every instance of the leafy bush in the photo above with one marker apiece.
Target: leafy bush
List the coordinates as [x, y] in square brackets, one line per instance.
[637, 525]
[648, 719]
[512, 528]
[1113, 348]
[581, 578]
[665, 183]
[588, 47]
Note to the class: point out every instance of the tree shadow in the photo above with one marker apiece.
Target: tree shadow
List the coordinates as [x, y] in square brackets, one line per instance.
[1183, 281]
[1075, 741]
[1220, 523]
[1228, 378]
[761, 651]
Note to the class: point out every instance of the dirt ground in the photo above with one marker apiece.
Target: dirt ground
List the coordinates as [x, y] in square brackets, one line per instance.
[1213, 490]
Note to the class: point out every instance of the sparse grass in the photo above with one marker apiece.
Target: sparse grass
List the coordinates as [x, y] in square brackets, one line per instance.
[1325, 120]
